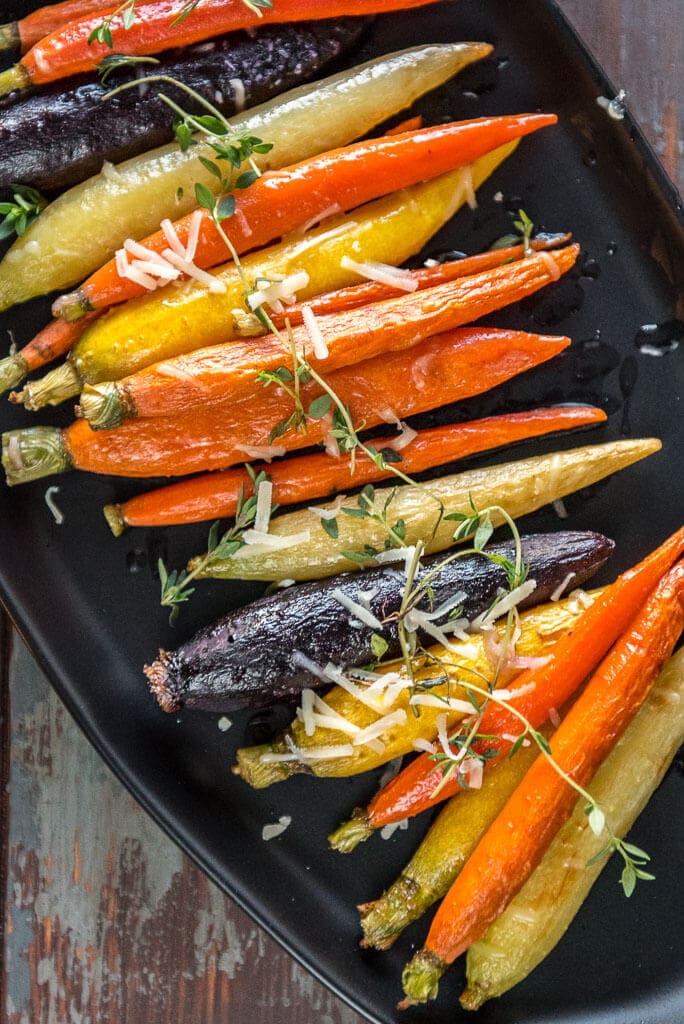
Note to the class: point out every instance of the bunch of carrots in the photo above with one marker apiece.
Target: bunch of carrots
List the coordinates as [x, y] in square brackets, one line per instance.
[206, 409]
[199, 406]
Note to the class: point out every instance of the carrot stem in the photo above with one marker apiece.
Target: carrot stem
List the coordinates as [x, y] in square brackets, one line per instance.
[416, 788]
[342, 179]
[517, 839]
[215, 495]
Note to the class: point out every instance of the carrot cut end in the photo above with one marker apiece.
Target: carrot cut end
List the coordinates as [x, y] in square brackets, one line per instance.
[420, 978]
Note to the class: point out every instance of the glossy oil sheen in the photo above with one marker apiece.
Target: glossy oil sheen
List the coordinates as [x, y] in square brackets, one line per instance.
[88, 604]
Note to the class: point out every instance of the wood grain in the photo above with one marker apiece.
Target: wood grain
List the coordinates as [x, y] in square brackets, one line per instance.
[106, 921]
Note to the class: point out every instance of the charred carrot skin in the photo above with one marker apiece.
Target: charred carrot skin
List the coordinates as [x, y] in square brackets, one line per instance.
[50, 343]
[446, 368]
[67, 51]
[215, 495]
[573, 658]
[515, 842]
[226, 372]
[342, 179]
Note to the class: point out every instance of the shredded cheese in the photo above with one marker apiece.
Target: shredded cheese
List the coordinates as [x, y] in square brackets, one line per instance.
[262, 515]
[331, 511]
[560, 589]
[262, 451]
[260, 542]
[57, 513]
[276, 829]
[384, 273]
[284, 288]
[356, 609]
[314, 331]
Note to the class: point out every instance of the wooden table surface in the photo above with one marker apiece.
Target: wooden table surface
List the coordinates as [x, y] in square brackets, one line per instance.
[105, 920]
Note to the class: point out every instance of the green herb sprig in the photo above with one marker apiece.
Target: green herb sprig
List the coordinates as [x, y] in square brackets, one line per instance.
[102, 33]
[18, 215]
[176, 586]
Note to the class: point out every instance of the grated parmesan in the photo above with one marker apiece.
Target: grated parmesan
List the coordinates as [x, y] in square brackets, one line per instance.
[314, 331]
[262, 515]
[356, 609]
[384, 273]
[276, 829]
[57, 513]
[262, 451]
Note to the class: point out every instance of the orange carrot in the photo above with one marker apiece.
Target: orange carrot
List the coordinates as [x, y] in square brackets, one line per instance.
[517, 839]
[157, 26]
[283, 201]
[53, 341]
[215, 495]
[574, 655]
[445, 369]
[223, 373]
[425, 277]
[26, 32]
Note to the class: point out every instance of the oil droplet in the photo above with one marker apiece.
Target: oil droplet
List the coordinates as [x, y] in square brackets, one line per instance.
[611, 248]
[659, 339]
[136, 560]
[590, 159]
[590, 268]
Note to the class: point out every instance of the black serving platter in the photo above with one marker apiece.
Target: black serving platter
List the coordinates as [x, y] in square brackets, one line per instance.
[88, 605]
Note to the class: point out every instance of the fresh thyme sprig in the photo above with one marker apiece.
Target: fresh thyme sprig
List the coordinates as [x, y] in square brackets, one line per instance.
[633, 857]
[102, 33]
[525, 231]
[176, 586]
[19, 214]
[113, 61]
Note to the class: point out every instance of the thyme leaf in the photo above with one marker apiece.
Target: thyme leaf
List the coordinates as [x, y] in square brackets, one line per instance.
[18, 215]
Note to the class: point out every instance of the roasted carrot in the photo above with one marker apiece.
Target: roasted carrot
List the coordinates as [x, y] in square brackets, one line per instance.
[283, 201]
[53, 341]
[446, 368]
[574, 656]
[215, 495]
[425, 277]
[25, 33]
[517, 839]
[226, 372]
[157, 26]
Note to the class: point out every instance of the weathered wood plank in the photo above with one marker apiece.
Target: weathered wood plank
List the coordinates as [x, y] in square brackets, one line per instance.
[106, 919]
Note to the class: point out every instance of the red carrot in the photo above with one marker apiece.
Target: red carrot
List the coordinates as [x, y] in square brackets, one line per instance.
[215, 495]
[157, 26]
[572, 658]
[517, 839]
[281, 202]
